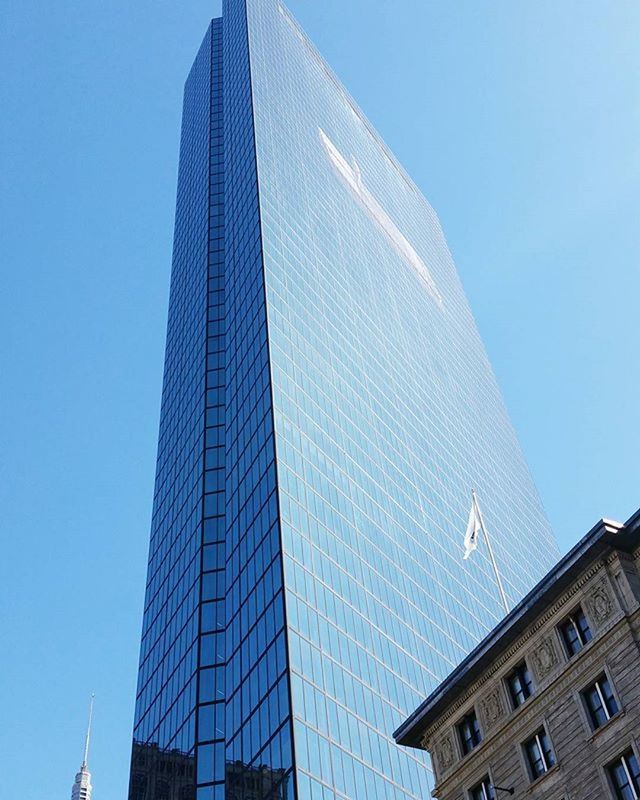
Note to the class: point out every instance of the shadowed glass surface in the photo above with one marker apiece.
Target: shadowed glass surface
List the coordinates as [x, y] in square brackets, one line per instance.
[166, 699]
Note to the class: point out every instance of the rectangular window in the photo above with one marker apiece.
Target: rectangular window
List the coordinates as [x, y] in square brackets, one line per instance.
[539, 753]
[469, 732]
[575, 632]
[482, 790]
[625, 777]
[600, 702]
[520, 684]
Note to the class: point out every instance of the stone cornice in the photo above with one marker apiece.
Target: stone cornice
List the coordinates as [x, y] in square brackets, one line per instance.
[497, 666]
[620, 555]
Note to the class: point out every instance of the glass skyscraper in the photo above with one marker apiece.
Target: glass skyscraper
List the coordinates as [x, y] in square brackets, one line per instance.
[327, 409]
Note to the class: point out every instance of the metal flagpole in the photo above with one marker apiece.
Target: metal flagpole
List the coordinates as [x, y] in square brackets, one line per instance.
[490, 549]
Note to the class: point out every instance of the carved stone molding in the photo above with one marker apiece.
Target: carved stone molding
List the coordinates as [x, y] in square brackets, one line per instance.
[619, 555]
[492, 708]
[445, 754]
[544, 658]
[600, 604]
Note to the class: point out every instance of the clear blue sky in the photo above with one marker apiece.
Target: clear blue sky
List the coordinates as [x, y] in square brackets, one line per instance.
[521, 123]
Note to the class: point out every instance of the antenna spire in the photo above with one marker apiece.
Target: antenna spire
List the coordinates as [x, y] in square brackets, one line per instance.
[82, 787]
[88, 736]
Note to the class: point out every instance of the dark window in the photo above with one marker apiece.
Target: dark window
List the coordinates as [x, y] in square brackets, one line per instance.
[520, 684]
[469, 732]
[138, 787]
[482, 790]
[575, 632]
[625, 777]
[162, 790]
[600, 702]
[540, 757]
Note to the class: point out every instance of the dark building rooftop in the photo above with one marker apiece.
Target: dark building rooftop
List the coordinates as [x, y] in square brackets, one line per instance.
[601, 539]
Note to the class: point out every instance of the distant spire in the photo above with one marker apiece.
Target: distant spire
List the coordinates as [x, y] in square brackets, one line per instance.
[85, 759]
[82, 787]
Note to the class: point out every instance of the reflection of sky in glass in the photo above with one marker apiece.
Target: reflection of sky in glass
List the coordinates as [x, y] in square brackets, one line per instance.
[352, 177]
[387, 414]
[305, 572]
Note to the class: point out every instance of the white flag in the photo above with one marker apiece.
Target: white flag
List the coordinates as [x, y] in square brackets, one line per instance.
[473, 531]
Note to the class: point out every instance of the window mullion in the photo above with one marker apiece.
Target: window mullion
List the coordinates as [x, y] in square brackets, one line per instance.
[602, 700]
[543, 757]
[625, 766]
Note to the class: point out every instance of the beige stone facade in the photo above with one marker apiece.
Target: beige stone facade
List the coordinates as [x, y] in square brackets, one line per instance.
[584, 706]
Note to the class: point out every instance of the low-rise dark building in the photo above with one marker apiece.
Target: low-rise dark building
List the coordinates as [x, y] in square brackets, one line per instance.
[158, 774]
[548, 705]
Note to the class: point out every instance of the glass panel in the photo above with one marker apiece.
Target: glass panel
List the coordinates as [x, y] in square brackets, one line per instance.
[550, 758]
[205, 763]
[213, 616]
[634, 768]
[608, 696]
[205, 723]
[583, 627]
[625, 777]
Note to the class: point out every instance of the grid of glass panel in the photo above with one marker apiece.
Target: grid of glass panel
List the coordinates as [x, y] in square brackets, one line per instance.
[211, 706]
[164, 727]
[387, 415]
[327, 408]
[258, 720]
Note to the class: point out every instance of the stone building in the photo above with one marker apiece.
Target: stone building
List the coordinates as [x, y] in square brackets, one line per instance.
[548, 705]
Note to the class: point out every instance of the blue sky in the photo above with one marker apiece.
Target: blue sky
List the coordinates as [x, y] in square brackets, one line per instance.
[521, 123]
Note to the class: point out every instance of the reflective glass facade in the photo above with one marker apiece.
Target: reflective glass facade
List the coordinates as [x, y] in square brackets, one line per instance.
[167, 679]
[327, 408]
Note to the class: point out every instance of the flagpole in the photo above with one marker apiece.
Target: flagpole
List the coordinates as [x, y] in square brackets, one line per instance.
[503, 596]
